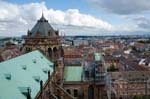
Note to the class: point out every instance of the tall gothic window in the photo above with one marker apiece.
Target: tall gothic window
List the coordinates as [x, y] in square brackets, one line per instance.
[50, 52]
[75, 93]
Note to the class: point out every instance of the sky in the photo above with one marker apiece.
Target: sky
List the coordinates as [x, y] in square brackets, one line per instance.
[76, 17]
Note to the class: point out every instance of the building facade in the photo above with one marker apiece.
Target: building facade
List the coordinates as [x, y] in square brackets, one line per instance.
[131, 85]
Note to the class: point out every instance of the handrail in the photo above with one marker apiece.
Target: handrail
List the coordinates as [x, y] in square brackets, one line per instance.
[53, 96]
[71, 97]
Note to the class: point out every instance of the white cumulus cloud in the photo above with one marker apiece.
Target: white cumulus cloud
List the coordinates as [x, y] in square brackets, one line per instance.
[123, 7]
[16, 19]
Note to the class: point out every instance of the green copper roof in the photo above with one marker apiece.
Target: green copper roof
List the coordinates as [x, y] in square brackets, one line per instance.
[73, 73]
[97, 56]
[17, 74]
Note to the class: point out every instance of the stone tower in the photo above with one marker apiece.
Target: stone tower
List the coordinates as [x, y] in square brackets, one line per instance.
[44, 38]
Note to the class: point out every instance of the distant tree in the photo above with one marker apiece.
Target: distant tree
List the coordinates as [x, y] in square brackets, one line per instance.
[9, 43]
[135, 97]
[148, 41]
[112, 68]
[144, 97]
[133, 48]
[144, 41]
[141, 41]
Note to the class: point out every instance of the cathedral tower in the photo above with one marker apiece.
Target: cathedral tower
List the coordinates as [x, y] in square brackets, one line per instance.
[44, 38]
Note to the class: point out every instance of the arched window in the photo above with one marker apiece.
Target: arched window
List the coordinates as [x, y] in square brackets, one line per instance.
[62, 51]
[75, 93]
[50, 52]
[120, 97]
[68, 90]
[90, 92]
[55, 52]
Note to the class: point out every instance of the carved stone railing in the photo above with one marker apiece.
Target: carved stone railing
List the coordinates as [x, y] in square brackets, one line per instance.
[63, 94]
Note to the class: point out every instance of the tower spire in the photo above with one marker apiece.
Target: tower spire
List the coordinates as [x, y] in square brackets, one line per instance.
[42, 14]
[42, 18]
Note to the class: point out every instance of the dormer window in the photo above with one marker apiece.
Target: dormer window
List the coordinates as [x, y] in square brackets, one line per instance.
[36, 78]
[24, 67]
[41, 57]
[50, 65]
[45, 70]
[8, 76]
[25, 90]
[49, 33]
[34, 60]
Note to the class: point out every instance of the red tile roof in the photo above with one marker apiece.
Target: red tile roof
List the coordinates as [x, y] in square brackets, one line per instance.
[9, 52]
